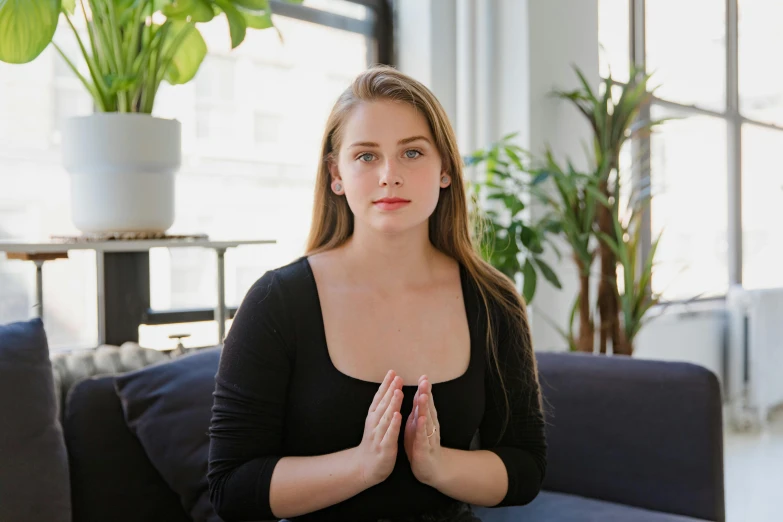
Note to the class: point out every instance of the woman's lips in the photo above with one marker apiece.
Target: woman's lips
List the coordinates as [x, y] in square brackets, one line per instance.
[390, 205]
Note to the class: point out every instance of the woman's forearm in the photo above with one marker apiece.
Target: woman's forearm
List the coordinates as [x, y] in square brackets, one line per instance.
[476, 477]
[305, 484]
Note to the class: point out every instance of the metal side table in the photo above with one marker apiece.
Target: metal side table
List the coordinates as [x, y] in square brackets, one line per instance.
[123, 264]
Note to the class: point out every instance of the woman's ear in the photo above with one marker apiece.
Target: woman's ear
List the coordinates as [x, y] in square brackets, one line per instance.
[333, 171]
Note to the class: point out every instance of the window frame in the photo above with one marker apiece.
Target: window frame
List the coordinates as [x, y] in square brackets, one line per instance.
[734, 122]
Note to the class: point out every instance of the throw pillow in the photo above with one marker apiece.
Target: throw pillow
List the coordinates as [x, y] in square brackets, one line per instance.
[168, 406]
[34, 482]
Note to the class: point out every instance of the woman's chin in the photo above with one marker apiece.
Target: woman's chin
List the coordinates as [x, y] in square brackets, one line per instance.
[393, 225]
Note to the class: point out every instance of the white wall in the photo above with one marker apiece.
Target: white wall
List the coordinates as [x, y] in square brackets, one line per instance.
[426, 47]
[508, 55]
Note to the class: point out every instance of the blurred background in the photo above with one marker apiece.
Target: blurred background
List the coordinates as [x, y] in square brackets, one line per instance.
[252, 121]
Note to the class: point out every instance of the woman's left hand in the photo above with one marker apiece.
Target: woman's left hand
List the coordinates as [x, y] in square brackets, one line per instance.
[422, 435]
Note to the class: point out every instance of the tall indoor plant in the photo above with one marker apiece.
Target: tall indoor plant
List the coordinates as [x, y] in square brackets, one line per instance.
[613, 117]
[122, 159]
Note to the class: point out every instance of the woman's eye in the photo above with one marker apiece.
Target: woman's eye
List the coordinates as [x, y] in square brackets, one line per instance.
[365, 155]
[412, 154]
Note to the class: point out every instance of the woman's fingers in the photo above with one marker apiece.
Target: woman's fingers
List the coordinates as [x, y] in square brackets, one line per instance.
[395, 385]
[412, 416]
[384, 387]
[393, 432]
[433, 410]
[426, 406]
[421, 428]
[431, 403]
[393, 407]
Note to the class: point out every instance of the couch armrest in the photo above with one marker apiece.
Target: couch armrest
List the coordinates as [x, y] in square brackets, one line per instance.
[636, 432]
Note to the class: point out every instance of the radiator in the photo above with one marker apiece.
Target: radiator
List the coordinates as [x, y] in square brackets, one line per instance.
[755, 381]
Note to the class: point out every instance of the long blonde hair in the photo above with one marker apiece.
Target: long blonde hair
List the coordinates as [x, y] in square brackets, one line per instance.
[450, 224]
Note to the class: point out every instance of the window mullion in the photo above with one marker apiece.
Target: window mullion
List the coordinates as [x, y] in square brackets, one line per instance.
[734, 148]
[640, 145]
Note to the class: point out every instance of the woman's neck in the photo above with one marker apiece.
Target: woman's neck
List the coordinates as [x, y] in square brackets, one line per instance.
[392, 261]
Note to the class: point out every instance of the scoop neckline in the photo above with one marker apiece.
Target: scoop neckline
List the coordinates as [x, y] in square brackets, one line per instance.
[325, 344]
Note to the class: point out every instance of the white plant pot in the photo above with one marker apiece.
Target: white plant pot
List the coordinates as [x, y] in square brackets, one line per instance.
[122, 168]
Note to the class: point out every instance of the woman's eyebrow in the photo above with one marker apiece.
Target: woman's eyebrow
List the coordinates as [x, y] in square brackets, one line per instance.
[401, 142]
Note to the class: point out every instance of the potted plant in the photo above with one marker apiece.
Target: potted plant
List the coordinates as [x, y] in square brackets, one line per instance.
[122, 160]
[509, 239]
[585, 209]
[588, 206]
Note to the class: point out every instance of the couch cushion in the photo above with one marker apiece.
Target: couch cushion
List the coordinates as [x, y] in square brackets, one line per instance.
[33, 460]
[111, 476]
[169, 406]
[556, 507]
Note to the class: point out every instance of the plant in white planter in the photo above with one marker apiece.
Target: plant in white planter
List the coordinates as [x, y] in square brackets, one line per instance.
[122, 160]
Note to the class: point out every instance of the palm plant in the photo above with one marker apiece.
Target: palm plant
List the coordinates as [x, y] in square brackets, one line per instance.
[131, 45]
[614, 121]
[574, 204]
[636, 297]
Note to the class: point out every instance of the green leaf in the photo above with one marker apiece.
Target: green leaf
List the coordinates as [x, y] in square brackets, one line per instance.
[117, 83]
[188, 56]
[610, 242]
[255, 5]
[514, 205]
[257, 19]
[514, 158]
[236, 22]
[26, 28]
[69, 6]
[548, 273]
[189, 10]
[527, 235]
[529, 281]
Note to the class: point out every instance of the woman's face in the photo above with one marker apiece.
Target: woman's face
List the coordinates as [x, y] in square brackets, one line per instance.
[387, 151]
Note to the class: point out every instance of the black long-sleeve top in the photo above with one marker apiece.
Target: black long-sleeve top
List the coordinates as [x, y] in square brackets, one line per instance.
[278, 394]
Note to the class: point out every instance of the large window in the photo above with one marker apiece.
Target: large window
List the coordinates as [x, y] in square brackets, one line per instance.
[252, 121]
[717, 186]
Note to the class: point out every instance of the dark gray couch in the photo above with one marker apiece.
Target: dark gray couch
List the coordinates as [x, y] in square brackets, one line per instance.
[629, 440]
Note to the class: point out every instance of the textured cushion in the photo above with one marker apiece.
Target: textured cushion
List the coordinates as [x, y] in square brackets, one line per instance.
[168, 406]
[560, 507]
[71, 367]
[33, 461]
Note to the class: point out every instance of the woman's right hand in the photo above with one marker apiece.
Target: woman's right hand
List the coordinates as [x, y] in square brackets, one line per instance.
[377, 453]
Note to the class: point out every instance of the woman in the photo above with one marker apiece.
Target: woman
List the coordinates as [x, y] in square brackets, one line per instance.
[359, 382]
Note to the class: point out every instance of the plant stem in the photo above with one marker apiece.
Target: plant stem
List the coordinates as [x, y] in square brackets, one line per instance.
[114, 31]
[99, 33]
[135, 30]
[151, 84]
[101, 60]
[87, 84]
[142, 64]
[144, 84]
[94, 72]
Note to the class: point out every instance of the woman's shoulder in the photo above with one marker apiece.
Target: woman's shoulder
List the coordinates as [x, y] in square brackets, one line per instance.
[288, 281]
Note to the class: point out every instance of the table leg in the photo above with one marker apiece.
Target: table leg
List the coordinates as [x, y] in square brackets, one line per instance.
[39, 286]
[220, 311]
[101, 296]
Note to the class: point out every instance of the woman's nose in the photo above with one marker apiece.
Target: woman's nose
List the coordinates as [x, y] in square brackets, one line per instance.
[389, 177]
